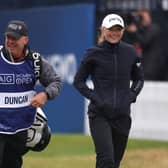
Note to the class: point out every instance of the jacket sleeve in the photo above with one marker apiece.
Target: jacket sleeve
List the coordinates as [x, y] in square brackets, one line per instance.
[50, 80]
[137, 77]
[81, 76]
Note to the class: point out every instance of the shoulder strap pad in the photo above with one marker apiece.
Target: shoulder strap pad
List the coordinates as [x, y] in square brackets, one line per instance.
[37, 64]
[36, 58]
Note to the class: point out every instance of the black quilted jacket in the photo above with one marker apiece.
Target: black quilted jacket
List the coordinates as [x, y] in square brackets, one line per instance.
[111, 67]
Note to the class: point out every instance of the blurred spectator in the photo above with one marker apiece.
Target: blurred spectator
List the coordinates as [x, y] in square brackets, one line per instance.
[131, 29]
[146, 37]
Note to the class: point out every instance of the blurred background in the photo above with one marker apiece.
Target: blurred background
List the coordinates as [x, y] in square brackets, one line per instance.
[61, 30]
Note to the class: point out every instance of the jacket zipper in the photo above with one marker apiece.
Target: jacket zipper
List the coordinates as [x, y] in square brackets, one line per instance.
[115, 81]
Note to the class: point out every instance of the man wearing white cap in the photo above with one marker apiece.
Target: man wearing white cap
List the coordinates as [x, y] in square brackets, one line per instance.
[112, 64]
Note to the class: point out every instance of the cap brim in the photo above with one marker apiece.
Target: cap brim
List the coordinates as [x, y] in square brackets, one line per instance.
[13, 34]
[110, 26]
[117, 25]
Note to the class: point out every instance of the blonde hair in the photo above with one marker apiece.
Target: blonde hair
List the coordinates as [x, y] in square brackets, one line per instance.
[101, 37]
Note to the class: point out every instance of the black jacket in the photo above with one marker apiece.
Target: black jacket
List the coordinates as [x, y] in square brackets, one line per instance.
[111, 67]
[153, 60]
[148, 40]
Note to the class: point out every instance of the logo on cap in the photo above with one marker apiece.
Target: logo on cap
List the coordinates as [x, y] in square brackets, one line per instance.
[17, 29]
[113, 19]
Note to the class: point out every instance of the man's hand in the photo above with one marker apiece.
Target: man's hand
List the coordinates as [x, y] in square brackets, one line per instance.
[39, 99]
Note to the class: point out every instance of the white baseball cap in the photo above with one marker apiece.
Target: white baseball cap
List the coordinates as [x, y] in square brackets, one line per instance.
[112, 20]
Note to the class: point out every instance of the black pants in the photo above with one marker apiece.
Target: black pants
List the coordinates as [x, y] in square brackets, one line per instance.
[109, 143]
[12, 148]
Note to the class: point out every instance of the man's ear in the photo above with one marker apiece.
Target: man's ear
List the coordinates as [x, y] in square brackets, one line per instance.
[26, 40]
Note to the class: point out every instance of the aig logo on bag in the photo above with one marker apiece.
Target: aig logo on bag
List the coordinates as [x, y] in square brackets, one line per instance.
[6, 78]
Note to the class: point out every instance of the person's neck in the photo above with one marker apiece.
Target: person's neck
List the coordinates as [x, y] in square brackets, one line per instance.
[18, 59]
[109, 45]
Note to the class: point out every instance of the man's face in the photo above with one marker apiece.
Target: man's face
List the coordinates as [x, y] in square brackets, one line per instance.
[15, 46]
